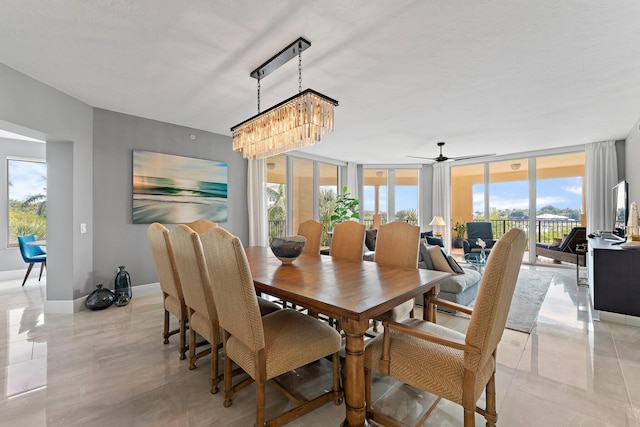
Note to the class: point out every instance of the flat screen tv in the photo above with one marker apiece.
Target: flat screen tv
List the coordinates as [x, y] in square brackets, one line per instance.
[621, 207]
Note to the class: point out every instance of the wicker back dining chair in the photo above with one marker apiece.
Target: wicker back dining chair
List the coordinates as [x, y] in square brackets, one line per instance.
[201, 226]
[347, 241]
[198, 297]
[173, 299]
[312, 230]
[377, 221]
[444, 362]
[398, 245]
[264, 347]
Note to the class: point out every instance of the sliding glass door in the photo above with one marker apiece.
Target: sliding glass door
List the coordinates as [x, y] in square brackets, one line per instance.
[542, 195]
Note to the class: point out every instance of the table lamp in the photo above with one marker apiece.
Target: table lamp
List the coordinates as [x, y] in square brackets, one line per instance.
[438, 222]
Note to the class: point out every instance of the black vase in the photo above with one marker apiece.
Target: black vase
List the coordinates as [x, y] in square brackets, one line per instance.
[122, 287]
[99, 299]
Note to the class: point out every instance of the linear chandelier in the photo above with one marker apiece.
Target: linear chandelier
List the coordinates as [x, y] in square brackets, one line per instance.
[296, 122]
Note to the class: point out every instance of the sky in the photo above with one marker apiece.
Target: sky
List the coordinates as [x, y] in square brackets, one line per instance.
[27, 179]
[557, 192]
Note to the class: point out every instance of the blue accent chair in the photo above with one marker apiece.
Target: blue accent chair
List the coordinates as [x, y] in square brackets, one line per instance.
[476, 230]
[31, 255]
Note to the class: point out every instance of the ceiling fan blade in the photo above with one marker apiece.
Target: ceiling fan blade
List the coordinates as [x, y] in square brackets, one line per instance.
[472, 157]
[426, 158]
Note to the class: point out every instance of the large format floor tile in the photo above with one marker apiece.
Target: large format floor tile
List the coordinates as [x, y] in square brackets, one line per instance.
[110, 368]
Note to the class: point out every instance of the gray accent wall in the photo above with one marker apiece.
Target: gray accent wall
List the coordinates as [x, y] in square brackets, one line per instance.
[89, 166]
[117, 240]
[34, 109]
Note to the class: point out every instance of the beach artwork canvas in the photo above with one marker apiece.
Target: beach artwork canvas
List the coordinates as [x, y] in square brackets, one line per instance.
[174, 189]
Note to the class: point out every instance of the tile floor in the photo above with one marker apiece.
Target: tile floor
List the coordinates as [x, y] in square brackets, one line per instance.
[110, 368]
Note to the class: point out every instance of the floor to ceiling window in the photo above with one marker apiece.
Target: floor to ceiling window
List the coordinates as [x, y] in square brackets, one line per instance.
[506, 192]
[393, 193]
[277, 195]
[328, 175]
[300, 189]
[508, 195]
[374, 199]
[560, 202]
[302, 198]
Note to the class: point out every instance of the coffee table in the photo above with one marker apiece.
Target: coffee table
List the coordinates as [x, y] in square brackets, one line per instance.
[474, 259]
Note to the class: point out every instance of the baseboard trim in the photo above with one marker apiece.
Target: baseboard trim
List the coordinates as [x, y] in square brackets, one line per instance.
[76, 305]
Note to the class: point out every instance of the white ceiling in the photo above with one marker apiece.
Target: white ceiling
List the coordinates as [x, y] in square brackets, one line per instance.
[498, 76]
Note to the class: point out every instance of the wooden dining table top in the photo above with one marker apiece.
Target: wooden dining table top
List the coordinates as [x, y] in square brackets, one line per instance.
[340, 288]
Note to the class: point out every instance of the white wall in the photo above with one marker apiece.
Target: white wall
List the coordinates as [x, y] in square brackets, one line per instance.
[632, 155]
[34, 109]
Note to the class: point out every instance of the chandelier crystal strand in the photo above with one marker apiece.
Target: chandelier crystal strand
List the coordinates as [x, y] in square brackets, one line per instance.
[297, 123]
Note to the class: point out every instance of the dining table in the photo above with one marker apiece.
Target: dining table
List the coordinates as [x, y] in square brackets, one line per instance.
[353, 292]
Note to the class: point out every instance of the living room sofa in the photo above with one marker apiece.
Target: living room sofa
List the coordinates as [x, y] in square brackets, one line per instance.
[461, 288]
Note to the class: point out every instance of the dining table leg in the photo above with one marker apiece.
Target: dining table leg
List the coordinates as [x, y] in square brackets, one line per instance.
[429, 309]
[354, 372]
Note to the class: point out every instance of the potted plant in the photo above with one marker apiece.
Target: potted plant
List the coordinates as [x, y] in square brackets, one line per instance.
[346, 208]
[460, 229]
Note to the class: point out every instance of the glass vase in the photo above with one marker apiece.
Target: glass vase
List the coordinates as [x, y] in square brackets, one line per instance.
[99, 299]
[483, 255]
[122, 289]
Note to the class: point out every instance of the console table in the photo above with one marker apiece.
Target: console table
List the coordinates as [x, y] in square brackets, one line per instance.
[614, 282]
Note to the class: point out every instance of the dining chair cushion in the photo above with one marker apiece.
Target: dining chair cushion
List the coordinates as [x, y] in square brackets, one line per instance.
[266, 306]
[280, 328]
[446, 365]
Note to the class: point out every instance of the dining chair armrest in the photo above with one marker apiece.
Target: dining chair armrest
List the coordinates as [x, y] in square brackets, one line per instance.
[427, 336]
[449, 304]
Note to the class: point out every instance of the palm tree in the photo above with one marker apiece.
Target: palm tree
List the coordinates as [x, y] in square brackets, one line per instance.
[39, 201]
[277, 203]
[327, 203]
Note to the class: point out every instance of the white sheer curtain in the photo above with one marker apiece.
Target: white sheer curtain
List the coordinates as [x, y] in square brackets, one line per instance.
[257, 202]
[602, 176]
[442, 197]
[352, 180]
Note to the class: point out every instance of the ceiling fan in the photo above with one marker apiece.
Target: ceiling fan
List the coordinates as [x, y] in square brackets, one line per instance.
[442, 158]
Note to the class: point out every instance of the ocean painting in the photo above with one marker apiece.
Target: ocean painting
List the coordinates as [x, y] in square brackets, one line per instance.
[174, 189]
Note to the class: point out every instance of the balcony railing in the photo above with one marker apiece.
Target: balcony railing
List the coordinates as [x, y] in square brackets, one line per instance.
[278, 228]
[546, 230]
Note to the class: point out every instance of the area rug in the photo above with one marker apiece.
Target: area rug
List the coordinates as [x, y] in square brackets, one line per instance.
[531, 288]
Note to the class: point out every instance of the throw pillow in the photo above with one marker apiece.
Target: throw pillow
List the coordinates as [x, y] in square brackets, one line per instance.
[370, 239]
[564, 239]
[424, 253]
[439, 260]
[556, 242]
[435, 241]
[454, 265]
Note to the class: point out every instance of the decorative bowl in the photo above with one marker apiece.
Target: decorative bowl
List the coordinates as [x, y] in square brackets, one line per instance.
[287, 249]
